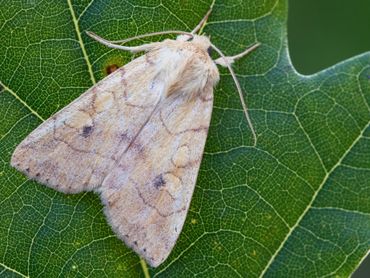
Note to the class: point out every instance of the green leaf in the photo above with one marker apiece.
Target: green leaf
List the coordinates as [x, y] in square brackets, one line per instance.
[296, 204]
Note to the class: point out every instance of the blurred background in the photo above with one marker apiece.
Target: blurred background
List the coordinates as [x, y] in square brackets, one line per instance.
[323, 33]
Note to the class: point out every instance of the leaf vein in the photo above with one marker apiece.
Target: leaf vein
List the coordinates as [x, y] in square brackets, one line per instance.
[309, 206]
[83, 49]
[22, 101]
[13, 270]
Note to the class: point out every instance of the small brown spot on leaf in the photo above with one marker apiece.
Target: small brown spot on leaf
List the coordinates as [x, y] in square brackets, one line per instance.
[111, 68]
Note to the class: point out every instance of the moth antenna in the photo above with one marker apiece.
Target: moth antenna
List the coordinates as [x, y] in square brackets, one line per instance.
[202, 23]
[228, 60]
[245, 52]
[152, 34]
[133, 49]
[240, 92]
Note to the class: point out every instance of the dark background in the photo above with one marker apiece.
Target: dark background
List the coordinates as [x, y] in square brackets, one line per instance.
[322, 33]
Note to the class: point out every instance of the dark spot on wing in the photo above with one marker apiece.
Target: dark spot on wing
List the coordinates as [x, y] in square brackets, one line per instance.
[124, 137]
[111, 68]
[159, 181]
[87, 130]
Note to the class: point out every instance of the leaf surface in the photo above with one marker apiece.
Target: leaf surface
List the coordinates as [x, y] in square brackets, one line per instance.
[297, 203]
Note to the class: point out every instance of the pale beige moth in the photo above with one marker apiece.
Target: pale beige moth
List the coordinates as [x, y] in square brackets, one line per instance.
[136, 138]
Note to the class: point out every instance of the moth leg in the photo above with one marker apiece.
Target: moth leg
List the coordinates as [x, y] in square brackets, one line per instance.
[132, 49]
[228, 60]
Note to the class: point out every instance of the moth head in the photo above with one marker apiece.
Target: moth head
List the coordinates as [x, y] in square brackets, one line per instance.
[201, 41]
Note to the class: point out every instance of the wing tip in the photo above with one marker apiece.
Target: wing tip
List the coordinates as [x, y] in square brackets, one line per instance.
[154, 252]
[153, 255]
[19, 164]
[24, 166]
[151, 259]
[154, 263]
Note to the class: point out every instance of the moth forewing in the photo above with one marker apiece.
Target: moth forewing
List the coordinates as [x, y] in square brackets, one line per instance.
[75, 149]
[159, 170]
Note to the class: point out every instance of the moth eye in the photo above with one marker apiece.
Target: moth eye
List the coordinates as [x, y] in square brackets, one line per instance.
[209, 50]
[190, 39]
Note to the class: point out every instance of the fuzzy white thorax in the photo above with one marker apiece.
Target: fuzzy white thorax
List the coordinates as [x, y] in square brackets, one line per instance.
[184, 66]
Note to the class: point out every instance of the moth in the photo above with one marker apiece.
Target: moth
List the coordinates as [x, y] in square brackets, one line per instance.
[136, 138]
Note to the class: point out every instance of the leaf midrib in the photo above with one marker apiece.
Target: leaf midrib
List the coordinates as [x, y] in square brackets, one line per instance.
[309, 206]
[80, 41]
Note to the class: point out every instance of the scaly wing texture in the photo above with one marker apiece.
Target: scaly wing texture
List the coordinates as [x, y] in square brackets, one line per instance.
[75, 149]
[148, 194]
